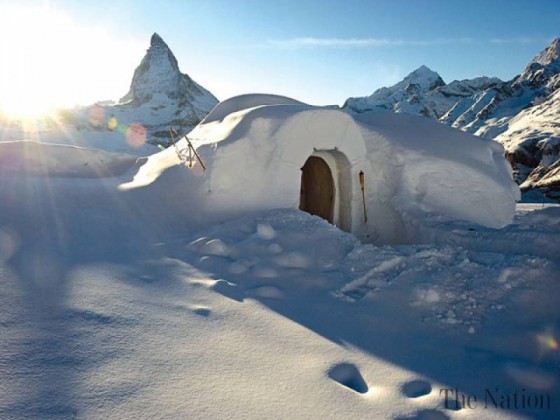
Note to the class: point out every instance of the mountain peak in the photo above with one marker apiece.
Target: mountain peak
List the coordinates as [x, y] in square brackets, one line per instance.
[425, 70]
[549, 55]
[157, 40]
[425, 77]
[159, 82]
[543, 67]
[158, 71]
[411, 95]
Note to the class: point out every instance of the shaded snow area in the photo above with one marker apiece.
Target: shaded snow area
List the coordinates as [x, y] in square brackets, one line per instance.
[117, 303]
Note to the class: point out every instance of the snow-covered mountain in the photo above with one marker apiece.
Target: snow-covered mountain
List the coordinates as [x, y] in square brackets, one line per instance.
[163, 94]
[422, 92]
[522, 113]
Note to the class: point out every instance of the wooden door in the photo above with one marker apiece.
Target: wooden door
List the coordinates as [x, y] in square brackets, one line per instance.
[317, 189]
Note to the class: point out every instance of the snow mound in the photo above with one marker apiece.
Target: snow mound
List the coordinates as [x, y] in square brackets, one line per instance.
[413, 167]
[239, 103]
[41, 159]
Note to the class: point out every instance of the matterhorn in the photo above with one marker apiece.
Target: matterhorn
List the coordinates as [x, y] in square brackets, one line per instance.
[162, 96]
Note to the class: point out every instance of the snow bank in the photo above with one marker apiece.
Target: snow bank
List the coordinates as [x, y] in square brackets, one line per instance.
[255, 146]
[40, 159]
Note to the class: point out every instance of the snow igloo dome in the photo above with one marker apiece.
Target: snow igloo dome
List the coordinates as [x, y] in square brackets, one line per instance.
[371, 174]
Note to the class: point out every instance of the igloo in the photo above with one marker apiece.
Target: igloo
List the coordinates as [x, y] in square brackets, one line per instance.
[370, 174]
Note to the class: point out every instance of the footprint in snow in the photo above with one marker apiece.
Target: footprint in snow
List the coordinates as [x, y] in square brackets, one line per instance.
[416, 388]
[230, 290]
[349, 376]
[201, 310]
[197, 309]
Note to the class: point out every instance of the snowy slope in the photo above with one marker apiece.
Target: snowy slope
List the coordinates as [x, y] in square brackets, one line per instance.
[534, 85]
[521, 114]
[532, 141]
[112, 311]
[160, 96]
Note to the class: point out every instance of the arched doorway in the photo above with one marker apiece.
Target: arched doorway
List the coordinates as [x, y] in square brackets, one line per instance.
[317, 189]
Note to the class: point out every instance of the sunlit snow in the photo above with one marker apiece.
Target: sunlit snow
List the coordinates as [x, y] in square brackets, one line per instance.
[138, 288]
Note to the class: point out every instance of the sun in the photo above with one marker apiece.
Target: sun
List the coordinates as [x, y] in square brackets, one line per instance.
[31, 49]
[50, 60]
[20, 105]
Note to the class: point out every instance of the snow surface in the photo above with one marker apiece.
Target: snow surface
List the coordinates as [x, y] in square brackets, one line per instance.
[78, 130]
[41, 159]
[114, 304]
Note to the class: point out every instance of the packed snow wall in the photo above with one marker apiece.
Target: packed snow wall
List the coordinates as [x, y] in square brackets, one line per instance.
[423, 169]
[255, 148]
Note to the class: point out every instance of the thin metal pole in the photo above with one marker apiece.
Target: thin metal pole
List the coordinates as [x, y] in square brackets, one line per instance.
[191, 149]
[195, 153]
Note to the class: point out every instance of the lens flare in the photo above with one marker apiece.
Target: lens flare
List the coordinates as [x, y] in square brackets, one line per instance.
[547, 342]
[112, 123]
[136, 135]
[97, 115]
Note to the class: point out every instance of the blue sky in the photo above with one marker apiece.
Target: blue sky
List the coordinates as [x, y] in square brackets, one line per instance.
[318, 51]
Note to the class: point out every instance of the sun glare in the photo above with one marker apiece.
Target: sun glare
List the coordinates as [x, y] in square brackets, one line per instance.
[49, 60]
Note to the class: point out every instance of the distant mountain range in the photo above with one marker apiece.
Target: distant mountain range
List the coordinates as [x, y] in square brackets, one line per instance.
[422, 92]
[523, 114]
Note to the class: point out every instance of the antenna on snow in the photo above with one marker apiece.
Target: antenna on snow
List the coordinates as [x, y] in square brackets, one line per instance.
[188, 156]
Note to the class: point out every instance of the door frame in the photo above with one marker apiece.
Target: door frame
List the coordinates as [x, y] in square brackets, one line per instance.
[341, 170]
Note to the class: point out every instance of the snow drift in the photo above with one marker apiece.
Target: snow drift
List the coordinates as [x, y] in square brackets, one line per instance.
[254, 148]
